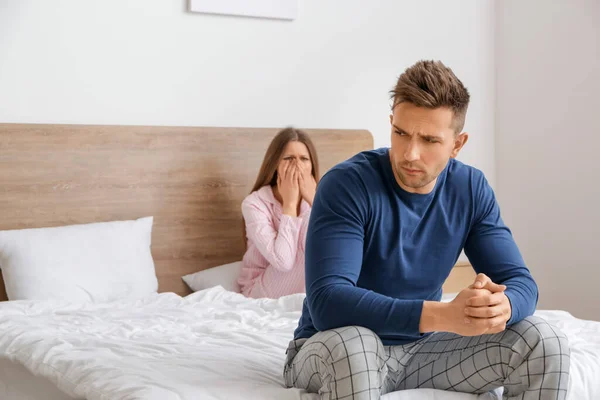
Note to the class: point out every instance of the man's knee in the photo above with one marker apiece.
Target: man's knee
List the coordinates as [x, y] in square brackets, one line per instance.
[347, 345]
[351, 354]
[539, 352]
[544, 346]
[345, 349]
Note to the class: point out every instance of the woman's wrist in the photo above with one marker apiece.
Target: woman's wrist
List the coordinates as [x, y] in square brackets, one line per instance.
[290, 210]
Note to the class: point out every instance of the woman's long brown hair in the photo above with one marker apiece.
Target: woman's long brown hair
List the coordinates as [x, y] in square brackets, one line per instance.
[267, 175]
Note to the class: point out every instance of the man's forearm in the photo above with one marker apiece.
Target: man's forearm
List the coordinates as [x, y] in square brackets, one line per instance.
[522, 292]
[432, 317]
[340, 305]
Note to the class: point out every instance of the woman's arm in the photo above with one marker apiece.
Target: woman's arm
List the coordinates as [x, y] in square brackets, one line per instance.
[278, 247]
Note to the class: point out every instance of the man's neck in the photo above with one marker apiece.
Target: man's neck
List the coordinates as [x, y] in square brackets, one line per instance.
[421, 190]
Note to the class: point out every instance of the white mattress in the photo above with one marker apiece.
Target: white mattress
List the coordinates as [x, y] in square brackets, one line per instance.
[212, 344]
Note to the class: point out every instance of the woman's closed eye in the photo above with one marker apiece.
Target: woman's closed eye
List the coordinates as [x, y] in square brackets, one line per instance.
[292, 158]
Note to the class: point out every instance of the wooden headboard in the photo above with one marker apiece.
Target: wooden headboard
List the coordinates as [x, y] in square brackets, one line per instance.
[191, 179]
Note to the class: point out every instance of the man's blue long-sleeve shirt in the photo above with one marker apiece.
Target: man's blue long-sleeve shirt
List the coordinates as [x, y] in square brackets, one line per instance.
[375, 253]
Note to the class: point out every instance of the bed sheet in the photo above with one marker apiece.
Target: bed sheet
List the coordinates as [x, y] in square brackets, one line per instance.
[213, 344]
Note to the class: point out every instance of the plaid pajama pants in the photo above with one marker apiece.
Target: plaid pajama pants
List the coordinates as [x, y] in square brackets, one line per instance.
[529, 359]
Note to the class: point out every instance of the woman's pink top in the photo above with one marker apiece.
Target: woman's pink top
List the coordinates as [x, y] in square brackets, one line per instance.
[273, 265]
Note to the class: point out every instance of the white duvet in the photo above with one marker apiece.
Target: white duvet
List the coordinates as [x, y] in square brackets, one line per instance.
[212, 344]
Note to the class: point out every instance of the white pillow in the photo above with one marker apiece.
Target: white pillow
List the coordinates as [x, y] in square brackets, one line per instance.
[224, 275]
[90, 262]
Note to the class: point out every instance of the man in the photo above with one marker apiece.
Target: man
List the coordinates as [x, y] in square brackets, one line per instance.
[386, 228]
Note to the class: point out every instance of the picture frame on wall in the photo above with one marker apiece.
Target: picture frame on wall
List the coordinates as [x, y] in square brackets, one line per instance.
[276, 9]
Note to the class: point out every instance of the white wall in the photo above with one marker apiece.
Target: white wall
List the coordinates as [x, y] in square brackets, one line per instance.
[548, 144]
[151, 62]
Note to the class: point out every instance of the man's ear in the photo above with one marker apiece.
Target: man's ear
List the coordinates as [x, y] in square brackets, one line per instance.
[459, 141]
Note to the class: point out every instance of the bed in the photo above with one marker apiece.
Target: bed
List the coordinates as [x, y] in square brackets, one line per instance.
[174, 344]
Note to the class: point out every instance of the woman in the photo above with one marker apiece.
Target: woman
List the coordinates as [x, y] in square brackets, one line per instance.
[276, 217]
